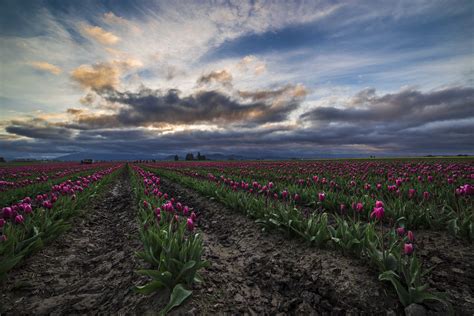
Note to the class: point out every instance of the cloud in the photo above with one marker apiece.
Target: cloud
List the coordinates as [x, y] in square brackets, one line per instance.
[400, 110]
[250, 62]
[112, 19]
[103, 76]
[288, 91]
[44, 66]
[223, 77]
[38, 129]
[100, 35]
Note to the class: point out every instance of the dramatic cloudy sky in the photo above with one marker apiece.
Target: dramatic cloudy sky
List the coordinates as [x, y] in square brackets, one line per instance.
[283, 78]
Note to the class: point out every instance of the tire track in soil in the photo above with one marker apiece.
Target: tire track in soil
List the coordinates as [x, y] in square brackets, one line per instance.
[89, 269]
[254, 272]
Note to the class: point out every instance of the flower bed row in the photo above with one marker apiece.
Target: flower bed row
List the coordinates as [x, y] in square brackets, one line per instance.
[27, 225]
[172, 247]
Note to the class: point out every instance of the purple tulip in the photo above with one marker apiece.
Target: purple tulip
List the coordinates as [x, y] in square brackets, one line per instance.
[359, 207]
[2, 222]
[27, 208]
[426, 195]
[193, 216]
[411, 236]
[7, 212]
[284, 194]
[185, 210]
[48, 204]
[19, 219]
[321, 197]
[157, 211]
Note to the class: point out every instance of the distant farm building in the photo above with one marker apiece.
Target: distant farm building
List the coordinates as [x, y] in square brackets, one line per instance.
[86, 161]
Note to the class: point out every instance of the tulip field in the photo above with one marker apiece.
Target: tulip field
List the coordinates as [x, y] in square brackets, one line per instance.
[258, 237]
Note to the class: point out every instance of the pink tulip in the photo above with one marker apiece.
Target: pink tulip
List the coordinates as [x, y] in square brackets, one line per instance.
[377, 213]
[411, 236]
[27, 200]
[145, 204]
[27, 208]
[321, 197]
[193, 216]
[379, 204]
[284, 194]
[359, 207]
[411, 193]
[270, 185]
[48, 204]
[157, 211]
[179, 206]
[190, 224]
[296, 197]
[408, 249]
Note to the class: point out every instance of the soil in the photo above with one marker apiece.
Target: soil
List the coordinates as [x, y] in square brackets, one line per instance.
[255, 272]
[452, 261]
[89, 269]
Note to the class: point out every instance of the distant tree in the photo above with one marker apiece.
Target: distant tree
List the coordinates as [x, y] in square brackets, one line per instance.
[2, 159]
[201, 157]
[189, 156]
[176, 158]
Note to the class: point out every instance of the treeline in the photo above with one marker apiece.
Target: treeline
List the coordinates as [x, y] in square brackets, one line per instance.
[190, 156]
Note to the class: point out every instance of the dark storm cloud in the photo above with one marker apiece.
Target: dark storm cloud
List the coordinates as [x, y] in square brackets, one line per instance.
[291, 91]
[400, 110]
[39, 129]
[153, 107]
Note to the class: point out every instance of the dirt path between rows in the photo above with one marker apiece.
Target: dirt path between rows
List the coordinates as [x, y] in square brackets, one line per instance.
[263, 273]
[89, 269]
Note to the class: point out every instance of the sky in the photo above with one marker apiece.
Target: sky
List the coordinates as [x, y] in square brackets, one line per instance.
[259, 79]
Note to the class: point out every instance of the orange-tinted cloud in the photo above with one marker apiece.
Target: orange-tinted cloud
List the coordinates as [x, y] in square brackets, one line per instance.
[44, 66]
[99, 34]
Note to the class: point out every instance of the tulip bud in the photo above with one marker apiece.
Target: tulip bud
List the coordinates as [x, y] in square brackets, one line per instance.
[411, 236]
[408, 249]
[193, 216]
[7, 212]
[321, 197]
[145, 204]
[378, 213]
[379, 204]
[185, 210]
[190, 224]
[296, 197]
[426, 195]
[19, 219]
[401, 231]
[359, 207]
[2, 222]
[157, 211]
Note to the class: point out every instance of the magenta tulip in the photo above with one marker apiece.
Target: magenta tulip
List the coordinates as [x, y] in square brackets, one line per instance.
[190, 224]
[2, 222]
[7, 212]
[321, 197]
[185, 210]
[411, 236]
[426, 195]
[193, 216]
[379, 204]
[408, 249]
[378, 213]
[359, 207]
[401, 231]
[19, 219]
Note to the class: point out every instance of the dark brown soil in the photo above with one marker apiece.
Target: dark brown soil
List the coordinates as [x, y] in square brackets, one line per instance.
[263, 273]
[89, 269]
[452, 261]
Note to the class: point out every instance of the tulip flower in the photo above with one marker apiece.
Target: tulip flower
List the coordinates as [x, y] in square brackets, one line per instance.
[411, 193]
[426, 195]
[378, 213]
[321, 197]
[3, 238]
[7, 212]
[47, 204]
[296, 197]
[145, 204]
[27, 200]
[408, 249]
[2, 222]
[411, 236]
[179, 206]
[379, 204]
[176, 218]
[157, 211]
[193, 216]
[185, 210]
[190, 224]
[27, 208]
[284, 194]
[359, 207]
[401, 231]
[19, 219]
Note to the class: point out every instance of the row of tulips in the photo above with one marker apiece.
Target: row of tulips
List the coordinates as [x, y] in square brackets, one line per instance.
[390, 249]
[172, 248]
[27, 225]
[42, 176]
[438, 208]
[12, 171]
